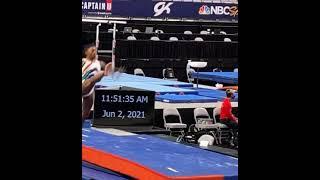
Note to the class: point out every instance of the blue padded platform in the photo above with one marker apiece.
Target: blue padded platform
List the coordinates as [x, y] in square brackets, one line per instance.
[189, 98]
[165, 157]
[129, 78]
[220, 77]
[219, 94]
[165, 87]
[149, 86]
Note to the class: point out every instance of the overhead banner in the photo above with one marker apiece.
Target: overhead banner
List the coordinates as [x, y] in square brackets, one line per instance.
[172, 9]
[96, 7]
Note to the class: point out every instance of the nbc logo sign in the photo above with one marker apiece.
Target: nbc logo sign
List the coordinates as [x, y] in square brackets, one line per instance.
[204, 10]
[218, 10]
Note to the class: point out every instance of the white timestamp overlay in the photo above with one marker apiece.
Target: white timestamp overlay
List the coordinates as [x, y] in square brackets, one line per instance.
[123, 114]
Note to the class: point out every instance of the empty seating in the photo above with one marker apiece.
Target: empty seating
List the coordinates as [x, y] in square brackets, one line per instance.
[168, 74]
[154, 38]
[204, 32]
[175, 49]
[158, 31]
[131, 38]
[227, 40]
[135, 31]
[173, 39]
[198, 39]
[202, 119]
[172, 121]
[138, 72]
[222, 32]
[187, 32]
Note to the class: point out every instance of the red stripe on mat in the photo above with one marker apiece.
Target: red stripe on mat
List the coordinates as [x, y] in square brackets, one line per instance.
[130, 168]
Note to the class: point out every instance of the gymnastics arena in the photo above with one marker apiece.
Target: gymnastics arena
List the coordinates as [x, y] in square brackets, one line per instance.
[160, 89]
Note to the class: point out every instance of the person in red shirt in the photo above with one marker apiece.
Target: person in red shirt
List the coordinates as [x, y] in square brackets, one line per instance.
[226, 116]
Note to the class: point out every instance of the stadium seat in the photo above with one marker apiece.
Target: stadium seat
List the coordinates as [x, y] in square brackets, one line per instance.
[135, 31]
[198, 39]
[222, 32]
[138, 72]
[204, 32]
[154, 38]
[131, 38]
[173, 39]
[227, 40]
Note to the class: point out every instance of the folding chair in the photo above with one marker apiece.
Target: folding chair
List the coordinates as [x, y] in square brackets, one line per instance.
[168, 74]
[173, 123]
[223, 132]
[204, 122]
[189, 73]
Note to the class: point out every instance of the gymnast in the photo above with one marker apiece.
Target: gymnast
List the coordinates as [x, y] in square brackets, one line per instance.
[91, 74]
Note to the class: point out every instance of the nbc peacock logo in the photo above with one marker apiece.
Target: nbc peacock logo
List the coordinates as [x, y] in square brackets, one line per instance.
[204, 10]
